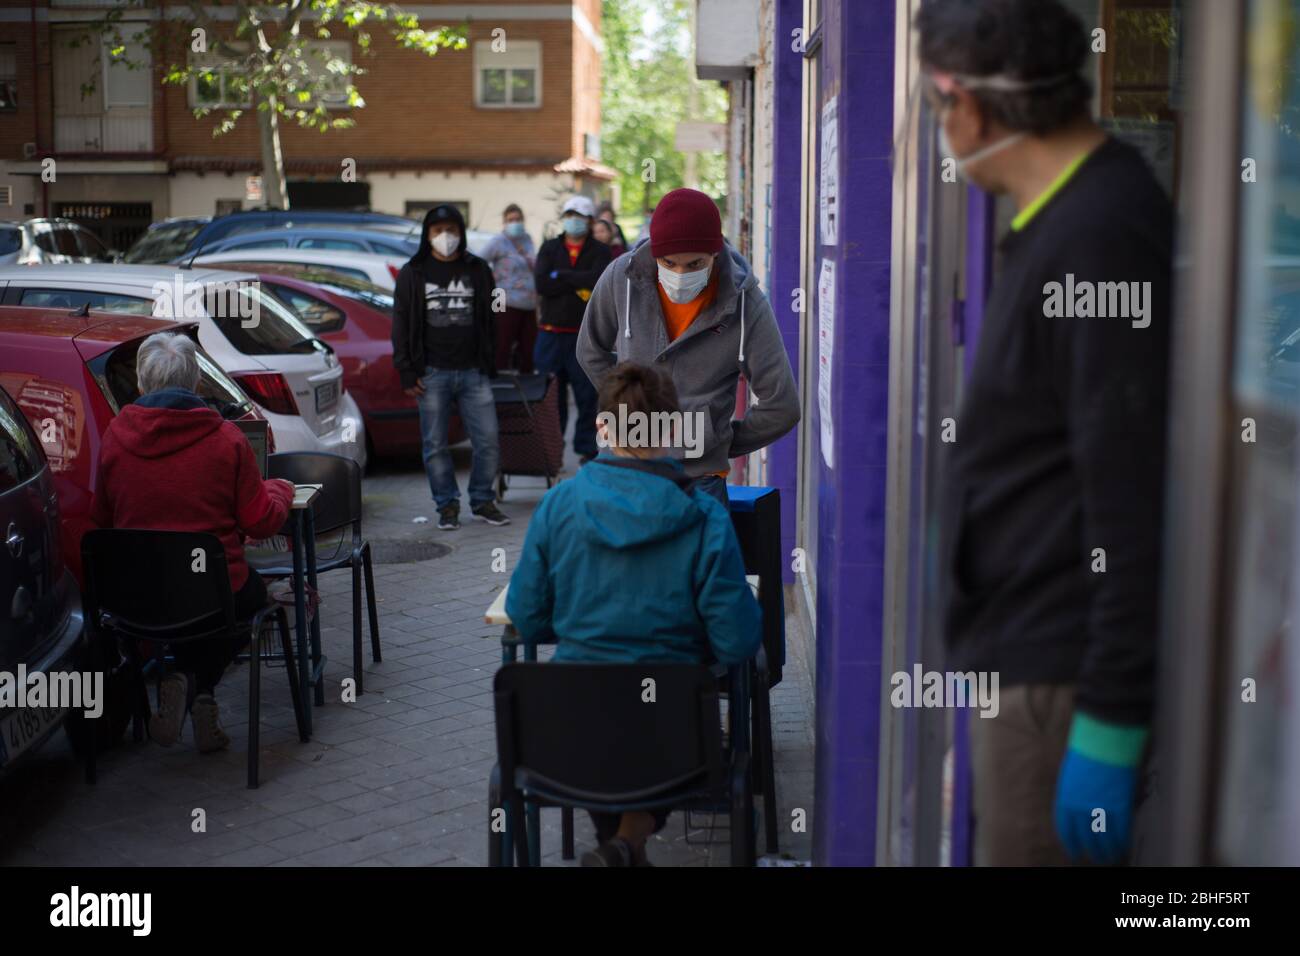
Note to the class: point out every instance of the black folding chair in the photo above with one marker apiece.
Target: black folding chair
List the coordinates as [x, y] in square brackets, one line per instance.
[337, 507]
[585, 736]
[173, 587]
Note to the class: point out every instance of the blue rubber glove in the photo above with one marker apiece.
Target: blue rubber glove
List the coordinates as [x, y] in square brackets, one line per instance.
[555, 274]
[1099, 773]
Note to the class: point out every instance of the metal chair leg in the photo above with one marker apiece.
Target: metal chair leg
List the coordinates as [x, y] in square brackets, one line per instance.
[498, 843]
[742, 813]
[254, 704]
[763, 748]
[290, 668]
[534, 816]
[356, 629]
[519, 832]
[566, 833]
[368, 568]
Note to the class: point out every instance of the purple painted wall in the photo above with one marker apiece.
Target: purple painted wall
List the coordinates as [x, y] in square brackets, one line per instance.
[857, 62]
[783, 278]
[979, 275]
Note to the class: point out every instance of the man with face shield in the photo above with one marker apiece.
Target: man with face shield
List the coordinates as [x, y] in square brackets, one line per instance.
[684, 300]
[1051, 522]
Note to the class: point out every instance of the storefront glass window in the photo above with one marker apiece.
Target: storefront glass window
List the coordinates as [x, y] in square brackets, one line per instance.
[1260, 620]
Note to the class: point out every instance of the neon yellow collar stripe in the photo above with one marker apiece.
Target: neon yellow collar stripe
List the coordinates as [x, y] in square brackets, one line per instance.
[1032, 210]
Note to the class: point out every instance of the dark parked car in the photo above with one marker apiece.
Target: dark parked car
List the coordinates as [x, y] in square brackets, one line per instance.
[177, 239]
[42, 627]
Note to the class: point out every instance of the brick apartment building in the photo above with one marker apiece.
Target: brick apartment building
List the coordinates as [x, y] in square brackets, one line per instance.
[478, 127]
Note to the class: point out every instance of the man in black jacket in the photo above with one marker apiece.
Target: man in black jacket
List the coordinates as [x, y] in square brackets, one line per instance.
[566, 272]
[444, 351]
[1054, 490]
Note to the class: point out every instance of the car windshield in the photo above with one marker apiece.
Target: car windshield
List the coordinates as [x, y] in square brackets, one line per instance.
[255, 322]
[115, 373]
[164, 243]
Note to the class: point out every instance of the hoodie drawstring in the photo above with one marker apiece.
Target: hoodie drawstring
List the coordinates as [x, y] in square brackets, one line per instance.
[741, 357]
[627, 311]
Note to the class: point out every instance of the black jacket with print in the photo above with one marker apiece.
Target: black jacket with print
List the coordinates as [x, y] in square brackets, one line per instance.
[409, 305]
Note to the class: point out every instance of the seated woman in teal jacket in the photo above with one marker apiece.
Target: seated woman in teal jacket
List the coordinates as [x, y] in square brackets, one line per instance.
[622, 564]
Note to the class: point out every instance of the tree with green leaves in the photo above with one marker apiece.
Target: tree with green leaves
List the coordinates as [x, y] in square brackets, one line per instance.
[269, 56]
[649, 85]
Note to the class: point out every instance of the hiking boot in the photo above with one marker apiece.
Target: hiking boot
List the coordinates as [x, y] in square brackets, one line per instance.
[173, 698]
[208, 735]
[617, 852]
[449, 517]
[490, 513]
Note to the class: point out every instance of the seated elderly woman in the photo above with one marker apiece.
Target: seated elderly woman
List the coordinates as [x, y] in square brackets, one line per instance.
[170, 463]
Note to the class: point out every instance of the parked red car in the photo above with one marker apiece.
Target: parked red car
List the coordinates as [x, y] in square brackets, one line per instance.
[356, 319]
[70, 374]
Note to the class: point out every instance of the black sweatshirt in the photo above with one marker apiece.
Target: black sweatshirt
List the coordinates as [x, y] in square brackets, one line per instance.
[411, 335]
[1060, 449]
[562, 307]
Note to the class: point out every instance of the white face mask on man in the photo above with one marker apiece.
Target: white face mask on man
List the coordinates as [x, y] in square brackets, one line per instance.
[446, 243]
[682, 287]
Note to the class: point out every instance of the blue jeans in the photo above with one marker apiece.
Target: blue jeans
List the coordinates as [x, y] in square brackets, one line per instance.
[557, 353]
[471, 390]
[713, 485]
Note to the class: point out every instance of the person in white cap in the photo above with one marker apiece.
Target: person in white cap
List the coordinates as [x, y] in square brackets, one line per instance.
[566, 272]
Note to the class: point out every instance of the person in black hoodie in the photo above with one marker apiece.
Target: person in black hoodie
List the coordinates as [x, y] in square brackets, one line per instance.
[1051, 520]
[566, 272]
[444, 351]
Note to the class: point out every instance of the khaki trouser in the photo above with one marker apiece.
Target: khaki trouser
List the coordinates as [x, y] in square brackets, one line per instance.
[1016, 758]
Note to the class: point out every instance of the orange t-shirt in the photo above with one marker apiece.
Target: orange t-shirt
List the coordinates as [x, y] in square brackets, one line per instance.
[679, 316]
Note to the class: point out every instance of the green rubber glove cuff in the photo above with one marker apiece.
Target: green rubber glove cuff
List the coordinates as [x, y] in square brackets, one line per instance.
[1115, 744]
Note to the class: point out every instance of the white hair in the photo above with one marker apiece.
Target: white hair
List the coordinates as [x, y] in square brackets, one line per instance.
[167, 360]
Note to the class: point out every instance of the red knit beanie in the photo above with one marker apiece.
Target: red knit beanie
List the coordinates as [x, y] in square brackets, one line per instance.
[686, 220]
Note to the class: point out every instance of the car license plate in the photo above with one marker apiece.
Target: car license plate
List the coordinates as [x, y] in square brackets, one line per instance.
[22, 728]
[327, 396]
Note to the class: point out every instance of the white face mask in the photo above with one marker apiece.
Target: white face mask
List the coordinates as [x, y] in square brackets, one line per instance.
[964, 163]
[681, 287]
[446, 243]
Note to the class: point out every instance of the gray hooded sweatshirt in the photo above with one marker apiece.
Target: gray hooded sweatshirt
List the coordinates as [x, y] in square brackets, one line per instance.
[736, 334]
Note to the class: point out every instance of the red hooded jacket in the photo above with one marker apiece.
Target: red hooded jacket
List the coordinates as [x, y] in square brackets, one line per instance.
[185, 469]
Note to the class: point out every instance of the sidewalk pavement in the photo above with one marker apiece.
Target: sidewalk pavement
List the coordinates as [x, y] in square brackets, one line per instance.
[397, 778]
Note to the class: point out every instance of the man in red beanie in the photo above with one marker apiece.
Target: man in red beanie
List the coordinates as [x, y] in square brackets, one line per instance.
[685, 301]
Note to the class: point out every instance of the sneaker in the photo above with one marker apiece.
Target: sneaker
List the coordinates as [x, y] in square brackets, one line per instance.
[449, 517]
[208, 735]
[174, 696]
[490, 513]
[617, 852]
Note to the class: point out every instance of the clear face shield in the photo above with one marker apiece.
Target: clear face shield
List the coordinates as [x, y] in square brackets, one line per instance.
[933, 91]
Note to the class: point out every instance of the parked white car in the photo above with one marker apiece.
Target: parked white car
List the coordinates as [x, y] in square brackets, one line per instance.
[284, 368]
[377, 270]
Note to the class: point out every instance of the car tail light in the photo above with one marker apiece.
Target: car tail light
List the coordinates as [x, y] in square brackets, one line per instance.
[393, 271]
[268, 389]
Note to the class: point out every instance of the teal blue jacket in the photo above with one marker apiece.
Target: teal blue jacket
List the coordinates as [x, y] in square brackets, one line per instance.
[623, 565]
